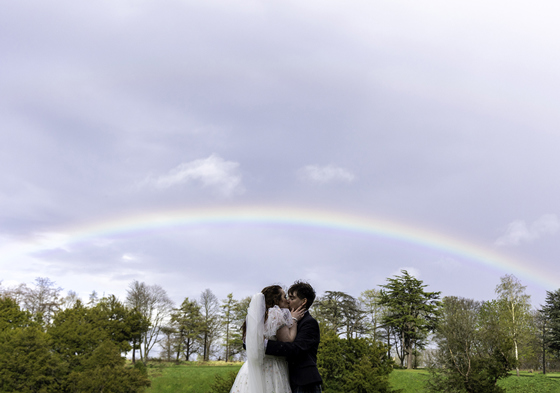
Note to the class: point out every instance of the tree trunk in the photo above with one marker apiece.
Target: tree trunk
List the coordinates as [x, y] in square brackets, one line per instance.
[227, 343]
[205, 351]
[516, 358]
[402, 349]
[543, 348]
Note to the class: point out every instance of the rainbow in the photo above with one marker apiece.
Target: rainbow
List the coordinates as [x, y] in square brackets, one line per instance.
[312, 218]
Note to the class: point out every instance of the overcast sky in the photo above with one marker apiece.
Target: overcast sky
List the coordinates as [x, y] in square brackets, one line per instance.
[439, 117]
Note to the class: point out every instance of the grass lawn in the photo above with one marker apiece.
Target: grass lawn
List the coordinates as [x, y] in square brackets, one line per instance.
[195, 377]
[186, 377]
[410, 381]
[531, 383]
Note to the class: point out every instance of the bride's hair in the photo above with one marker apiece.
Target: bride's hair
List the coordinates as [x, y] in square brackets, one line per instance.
[272, 296]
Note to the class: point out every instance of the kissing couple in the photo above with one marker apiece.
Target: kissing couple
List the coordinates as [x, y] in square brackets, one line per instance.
[282, 340]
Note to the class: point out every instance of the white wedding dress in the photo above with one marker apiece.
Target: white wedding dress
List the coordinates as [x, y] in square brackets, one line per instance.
[263, 373]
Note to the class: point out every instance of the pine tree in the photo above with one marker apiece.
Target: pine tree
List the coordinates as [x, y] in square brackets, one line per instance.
[551, 311]
[187, 321]
[227, 320]
[28, 363]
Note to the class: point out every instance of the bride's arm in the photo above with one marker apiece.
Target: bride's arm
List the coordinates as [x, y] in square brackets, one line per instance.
[288, 334]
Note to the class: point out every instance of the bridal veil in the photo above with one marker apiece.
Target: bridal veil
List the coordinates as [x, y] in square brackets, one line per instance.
[254, 341]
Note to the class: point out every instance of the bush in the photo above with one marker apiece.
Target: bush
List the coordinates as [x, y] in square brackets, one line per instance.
[141, 367]
[356, 365]
[75, 359]
[27, 364]
[104, 371]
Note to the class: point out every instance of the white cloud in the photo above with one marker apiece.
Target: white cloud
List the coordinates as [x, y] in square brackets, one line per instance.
[53, 240]
[518, 231]
[325, 174]
[214, 172]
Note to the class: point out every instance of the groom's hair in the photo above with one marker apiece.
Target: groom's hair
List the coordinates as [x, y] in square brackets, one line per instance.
[304, 291]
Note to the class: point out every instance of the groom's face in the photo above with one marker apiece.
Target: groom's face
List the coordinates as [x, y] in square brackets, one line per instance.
[294, 301]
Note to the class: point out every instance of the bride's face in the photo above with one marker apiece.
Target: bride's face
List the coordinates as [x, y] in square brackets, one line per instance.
[283, 300]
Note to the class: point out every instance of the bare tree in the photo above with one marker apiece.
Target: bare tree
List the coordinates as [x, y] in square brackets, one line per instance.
[15, 293]
[210, 321]
[93, 298]
[43, 299]
[152, 302]
[70, 300]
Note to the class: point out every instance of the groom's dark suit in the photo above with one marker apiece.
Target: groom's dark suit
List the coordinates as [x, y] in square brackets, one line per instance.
[302, 353]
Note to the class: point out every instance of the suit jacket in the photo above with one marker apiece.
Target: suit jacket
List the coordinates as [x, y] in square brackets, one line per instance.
[301, 353]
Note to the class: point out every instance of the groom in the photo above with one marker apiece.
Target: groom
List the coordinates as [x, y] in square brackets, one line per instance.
[302, 353]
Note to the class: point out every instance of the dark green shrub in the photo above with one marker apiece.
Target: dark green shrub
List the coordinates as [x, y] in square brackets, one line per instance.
[27, 364]
[355, 365]
[104, 372]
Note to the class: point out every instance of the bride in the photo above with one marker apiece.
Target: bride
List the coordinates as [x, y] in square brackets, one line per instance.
[268, 318]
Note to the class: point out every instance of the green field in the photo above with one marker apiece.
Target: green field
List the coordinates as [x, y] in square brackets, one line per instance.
[197, 377]
[408, 380]
[185, 377]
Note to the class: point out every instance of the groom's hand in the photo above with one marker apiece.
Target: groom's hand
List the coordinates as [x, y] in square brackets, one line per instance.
[298, 314]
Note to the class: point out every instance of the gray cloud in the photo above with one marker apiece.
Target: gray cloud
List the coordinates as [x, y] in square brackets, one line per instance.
[442, 117]
[519, 231]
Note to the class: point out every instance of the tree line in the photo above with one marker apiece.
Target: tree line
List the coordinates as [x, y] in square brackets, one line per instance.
[463, 342]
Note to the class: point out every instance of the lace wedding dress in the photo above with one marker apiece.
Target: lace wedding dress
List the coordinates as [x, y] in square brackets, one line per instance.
[263, 373]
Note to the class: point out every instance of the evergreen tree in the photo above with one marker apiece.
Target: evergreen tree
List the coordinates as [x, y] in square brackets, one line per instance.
[340, 313]
[240, 313]
[411, 313]
[28, 363]
[138, 325]
[227, 318]
[187, 322]
[551, 311]
[12, 316]
[75, 334]
[113, 317]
